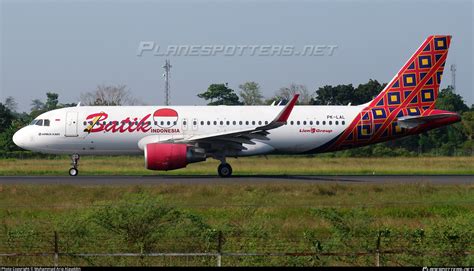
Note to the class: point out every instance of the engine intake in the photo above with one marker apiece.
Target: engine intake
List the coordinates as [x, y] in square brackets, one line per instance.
[169, 156]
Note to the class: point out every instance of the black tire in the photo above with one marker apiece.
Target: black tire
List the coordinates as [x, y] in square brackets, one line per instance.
[73, 171]
[224, 170]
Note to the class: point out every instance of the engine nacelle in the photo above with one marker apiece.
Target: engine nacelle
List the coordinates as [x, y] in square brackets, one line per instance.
[168, 156]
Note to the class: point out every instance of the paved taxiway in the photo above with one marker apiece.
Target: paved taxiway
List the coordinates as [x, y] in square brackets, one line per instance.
[150, 180]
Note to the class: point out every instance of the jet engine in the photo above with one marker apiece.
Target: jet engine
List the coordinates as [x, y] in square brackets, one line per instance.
[168, 156]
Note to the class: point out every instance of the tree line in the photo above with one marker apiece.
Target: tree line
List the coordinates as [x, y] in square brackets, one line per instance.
[455, 139]
[11, 120]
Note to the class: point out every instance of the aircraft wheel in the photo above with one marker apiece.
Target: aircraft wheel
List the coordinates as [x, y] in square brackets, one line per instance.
[73, 171]
[224, 170]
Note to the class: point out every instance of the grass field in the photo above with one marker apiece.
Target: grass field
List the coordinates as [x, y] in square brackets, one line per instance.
[424, 224]
[272, 217]
[273, 165]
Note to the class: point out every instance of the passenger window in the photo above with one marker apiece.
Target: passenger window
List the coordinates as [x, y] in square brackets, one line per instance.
[259, 122]
[215, 122]
[343, 122]
[304, 122]
[208, 123]
[337, 122]
[221, 122]
[168, 123]
[46, 122]
[240, 122]
[163, 123]
[234, 123]
[266, 122]
[247, 122]
[253, 122]
[324, 122]
[195, 123]
[202, 122]
[298, 123]
[39, 123]
[184, 122]
[85, 123]
[310, 122]
[317, 122]
[330, 122]
[291, 122]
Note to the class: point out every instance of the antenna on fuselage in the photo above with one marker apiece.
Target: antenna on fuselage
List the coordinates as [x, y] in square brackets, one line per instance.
[78, 104]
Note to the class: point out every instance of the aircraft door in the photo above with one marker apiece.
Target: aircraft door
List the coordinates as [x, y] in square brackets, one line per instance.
[367, 122]
[71, 124]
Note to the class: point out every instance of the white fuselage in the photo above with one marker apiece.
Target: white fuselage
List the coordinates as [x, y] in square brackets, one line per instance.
[121, 129]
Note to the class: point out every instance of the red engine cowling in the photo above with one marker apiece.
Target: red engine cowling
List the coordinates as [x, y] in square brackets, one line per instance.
[168, 156]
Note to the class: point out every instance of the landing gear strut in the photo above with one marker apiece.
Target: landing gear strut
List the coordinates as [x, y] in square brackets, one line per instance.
[224, 170]
[73, 171]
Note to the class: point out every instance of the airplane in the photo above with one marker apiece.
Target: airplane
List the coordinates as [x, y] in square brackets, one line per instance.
[171, 137]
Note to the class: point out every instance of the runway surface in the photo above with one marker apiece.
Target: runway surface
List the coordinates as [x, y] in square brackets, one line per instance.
[151, 180]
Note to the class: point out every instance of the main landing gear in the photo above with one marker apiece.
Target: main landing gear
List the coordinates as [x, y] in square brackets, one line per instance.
[224, 169]
[73, 171]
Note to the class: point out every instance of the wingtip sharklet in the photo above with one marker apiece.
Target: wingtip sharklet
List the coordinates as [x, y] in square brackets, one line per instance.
[285, 114]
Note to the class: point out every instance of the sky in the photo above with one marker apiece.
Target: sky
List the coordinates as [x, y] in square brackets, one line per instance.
[70, 47]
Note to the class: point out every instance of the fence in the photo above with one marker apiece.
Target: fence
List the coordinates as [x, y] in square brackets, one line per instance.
[40, 254]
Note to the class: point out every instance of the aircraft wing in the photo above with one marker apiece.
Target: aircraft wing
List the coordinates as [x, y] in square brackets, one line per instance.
[235, 138]
[415, 121]
[228, 140]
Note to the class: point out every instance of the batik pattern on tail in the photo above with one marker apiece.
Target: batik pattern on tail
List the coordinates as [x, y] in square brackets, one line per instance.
[412, 92]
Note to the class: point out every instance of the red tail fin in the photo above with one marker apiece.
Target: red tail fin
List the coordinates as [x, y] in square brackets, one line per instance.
[412, 92]
[417, 83]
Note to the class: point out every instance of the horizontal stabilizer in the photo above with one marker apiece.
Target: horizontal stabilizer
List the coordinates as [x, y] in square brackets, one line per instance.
[410, 122]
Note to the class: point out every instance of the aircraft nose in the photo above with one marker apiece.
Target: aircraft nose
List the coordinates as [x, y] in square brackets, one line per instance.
[19, 138]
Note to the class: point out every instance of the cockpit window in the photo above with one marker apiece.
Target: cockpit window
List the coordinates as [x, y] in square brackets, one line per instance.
[40, 122]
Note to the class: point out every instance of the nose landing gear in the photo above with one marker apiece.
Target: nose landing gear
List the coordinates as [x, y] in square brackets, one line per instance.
[73, 171]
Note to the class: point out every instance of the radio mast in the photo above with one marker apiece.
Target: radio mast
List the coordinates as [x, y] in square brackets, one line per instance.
[453, 77]
[166, 75]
